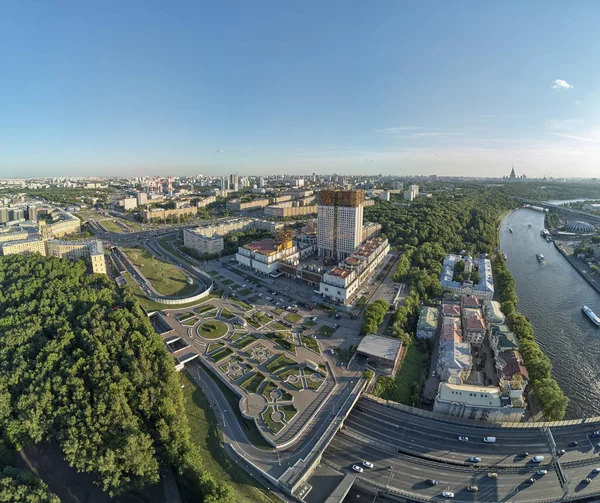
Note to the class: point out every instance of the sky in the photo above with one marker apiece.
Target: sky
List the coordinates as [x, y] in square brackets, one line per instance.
[271, 87]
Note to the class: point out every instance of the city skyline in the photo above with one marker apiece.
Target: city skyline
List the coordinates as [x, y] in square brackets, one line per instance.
[401, 89]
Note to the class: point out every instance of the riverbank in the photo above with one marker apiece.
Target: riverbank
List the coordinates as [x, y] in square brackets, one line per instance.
[580, 267]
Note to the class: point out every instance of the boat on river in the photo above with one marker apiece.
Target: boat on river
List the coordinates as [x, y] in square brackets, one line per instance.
[540, 257]
[591, 315]
[510, 230]
[549, 239]
[504, 256]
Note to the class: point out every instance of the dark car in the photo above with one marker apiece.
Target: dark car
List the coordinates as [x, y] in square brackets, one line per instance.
[431, 482]
[586, 480]
[573, 444]
[531, 480]
[523, 454]
[560, 452]
[595, 434]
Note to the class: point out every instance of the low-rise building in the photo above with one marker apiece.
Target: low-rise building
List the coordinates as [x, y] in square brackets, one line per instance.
[265, 256]
[370, 229]
[162, 214]
[237, 205]
[128, 203]
[284, 211]
[91, 251]
[474, 326]
[428, 322]
[502, 339]
[454, 355]
[484, 403]
[383, 351]
[203, 245]
[482, 290]
[470, 302]
[493, 313]
[202, 203]
[509, 364]
[452, 310]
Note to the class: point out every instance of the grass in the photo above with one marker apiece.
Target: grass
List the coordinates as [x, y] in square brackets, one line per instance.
[242, 304]
[206, 436]
[254, 299]
[227, 282]
[227, 314]
[278, 310]
[401, 389]
[285, 396]
[252, 383]
[277, 326]
[362, 301]
[289, 372]
[164, 243]
[213, 273]
[214, 346]
[311, 344]
[181, 317]
[110, 226]
[221, 354]
[326, 331]
[266, 392]
[245, 341]
[212, 329]
[236, 336]
[245, 292]
[167, 279]
[313, 385]
[234, 287]
[289, 411]
[310, 323]
[205, 309]
[274, 426]
[293, 318]
[190, 323]
[280, 362]
[280, 339]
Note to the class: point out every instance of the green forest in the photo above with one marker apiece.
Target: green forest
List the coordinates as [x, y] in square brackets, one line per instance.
[81, 366]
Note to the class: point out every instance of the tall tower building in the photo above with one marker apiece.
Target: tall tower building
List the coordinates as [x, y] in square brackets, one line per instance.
[233, 179]
[339, 222]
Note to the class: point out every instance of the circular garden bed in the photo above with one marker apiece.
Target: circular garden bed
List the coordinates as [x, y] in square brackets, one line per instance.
[212, 329]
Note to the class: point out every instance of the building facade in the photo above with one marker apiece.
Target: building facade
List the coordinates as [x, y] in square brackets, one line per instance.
[203, 245]
[340, 222]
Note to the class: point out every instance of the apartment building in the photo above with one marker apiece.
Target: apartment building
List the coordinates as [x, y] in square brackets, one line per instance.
[237, 205]
[162, 214]
[23, 247]
[91, 251]
[203, 245]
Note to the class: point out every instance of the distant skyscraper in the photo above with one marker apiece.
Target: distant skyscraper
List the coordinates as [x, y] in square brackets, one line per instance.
[3, 215]
[261, 182]
[224, 183]
[339, 222]
[233, 179]
[512, 173]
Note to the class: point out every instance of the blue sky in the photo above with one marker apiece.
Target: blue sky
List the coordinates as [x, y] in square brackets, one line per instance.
[155, 87]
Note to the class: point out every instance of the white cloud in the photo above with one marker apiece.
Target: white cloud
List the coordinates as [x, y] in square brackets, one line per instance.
[220, 151]
[571, 137]
[563, 124]
[401, 129]
[561, 84]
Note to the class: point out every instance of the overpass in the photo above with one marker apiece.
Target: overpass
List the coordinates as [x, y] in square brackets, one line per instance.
[562, 210]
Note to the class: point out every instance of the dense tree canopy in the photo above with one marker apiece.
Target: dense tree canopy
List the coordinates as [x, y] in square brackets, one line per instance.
[81, 364]
[22, 487]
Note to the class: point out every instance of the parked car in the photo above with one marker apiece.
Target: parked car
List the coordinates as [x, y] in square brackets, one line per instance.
[560, 452]
[472, 489]
[573, 444]
[531, 480]
[587, 480]
[523, 454]
[596, 470]
[474, 459]
[462, 438]
[492, 475]
[431, 482]
[368, 464]
[448, 494]
[541, 472]
[357, 468]
[595, 434]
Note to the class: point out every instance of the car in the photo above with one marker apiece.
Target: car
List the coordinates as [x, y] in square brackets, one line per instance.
[269, 298]
[595, 434]
[314, 318]
[433, 374]
[523, 454]
[492, 475]
[573, 444]
[587, 480]
[531, 480]
[560, 452]
[596, 470]
[462, 438]
[431, 482]
[335, 325]
[474, 459]
[472, 489]
[368, 464]
[541, 472]
[448, 494]
[357, 468]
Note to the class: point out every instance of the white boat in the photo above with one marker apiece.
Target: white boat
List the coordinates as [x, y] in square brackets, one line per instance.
[540, 257]
[591, 315]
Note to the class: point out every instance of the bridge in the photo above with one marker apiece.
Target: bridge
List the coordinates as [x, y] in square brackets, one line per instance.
[562, 210]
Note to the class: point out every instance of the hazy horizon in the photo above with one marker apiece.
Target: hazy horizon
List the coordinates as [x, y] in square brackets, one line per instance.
[142, 88]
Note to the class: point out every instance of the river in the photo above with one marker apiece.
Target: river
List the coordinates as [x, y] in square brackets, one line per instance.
[551, 296]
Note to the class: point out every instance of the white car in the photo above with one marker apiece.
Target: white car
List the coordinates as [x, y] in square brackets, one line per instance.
[357, 468]
[463, 438]
[368, 464]
[542, 472]
[448, 494]
[596, 470]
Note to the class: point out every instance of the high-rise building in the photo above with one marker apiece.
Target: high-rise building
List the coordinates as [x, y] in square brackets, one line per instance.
[261, 182]
[415, 189]
[224, 183]
[3, 215]
[233, 178]
[142, 198]
[340, 222]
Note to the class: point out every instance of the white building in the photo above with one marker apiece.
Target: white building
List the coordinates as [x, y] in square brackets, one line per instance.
[203, 245]
[340, 222]
[265, 256]
[129, 203]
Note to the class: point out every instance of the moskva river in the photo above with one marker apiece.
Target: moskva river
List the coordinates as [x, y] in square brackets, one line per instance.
[551, 295]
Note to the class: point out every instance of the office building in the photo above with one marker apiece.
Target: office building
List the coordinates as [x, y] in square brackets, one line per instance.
[340, 222]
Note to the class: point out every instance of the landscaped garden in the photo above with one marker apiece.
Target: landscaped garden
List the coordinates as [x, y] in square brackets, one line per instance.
[212, 329]
[280, 362]
[289, 411]
[274, 426]
[214, 346]
[245, 341]
[205, 309]
[293, 318]
[245, 291]
[326, 331]
[277, 326]
[221, 354]
[311, 344]
[282, 338]
[251, 383]
[309, 323]
[242, 304]
[227, 314]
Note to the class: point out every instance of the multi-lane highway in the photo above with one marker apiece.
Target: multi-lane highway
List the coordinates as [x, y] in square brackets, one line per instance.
[407, 450]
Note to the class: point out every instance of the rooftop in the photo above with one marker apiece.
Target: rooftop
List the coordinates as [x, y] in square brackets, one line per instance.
[339, 272]
[263, 246]
[380, 347]
[476, 396]
[428, 318]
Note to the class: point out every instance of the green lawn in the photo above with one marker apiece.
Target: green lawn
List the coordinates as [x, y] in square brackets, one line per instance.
[221, 354]
[190, 323]
[309, 323]
[254, 299]
[245, 341]
[252, 383]
[293, 318]
[277, 326]
[326, 331]
[266, 392]
[400, 389]
[214, 346]
[165, 243]
[312, 384]
[311, 344]
[227, 282]
[236, 336]
[110, 226]
[280, 362]
[206, 436]
[167, 279]
[275, 427]
[281, 339]
[227, 314]
[289, 372]
[181, 317]
[242, 304]
[213, 273]
[285, 396]
[289, 411]
[205, 309]
[212, 329]
[245, 292]
[234, 287]
[278, 310]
